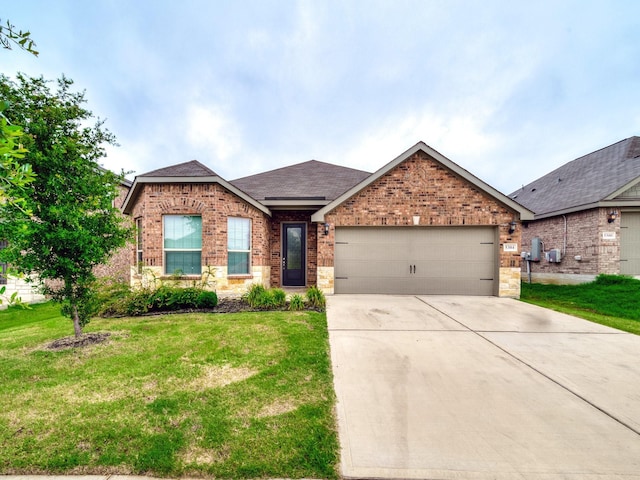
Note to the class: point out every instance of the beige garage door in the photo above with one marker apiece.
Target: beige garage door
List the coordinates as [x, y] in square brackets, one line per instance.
[630, 243]
[416, 260]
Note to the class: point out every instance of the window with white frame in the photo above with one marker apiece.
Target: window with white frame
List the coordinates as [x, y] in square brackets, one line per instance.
[238, 246]
[182, 244]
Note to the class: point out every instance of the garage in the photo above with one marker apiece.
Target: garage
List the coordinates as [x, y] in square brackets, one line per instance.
[416, 260]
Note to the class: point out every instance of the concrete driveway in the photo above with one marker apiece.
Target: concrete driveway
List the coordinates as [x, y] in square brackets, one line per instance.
[449, 387]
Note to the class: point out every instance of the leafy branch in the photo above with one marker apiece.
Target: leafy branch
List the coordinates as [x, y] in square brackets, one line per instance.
[10, 35]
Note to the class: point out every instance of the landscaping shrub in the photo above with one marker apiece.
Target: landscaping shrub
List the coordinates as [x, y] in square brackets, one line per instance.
[296, 303]
[207, 299]
[113, 300]
[604, 279]
[254, 295]
[316, 298]
[279, 298]
[259, 297]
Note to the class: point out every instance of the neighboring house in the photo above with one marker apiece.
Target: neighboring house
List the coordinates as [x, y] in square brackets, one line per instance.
[587, 216]
[419, 225]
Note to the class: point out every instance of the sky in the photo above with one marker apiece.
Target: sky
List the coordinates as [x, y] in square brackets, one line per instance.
[508, 90]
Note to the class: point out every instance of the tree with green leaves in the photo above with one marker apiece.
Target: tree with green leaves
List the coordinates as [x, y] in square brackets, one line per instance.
[74, 224]
[9, 35]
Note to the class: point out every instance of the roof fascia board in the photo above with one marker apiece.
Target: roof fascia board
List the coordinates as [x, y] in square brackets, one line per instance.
[525, 214]
[133, 193]
[623, 189]
[588, 206]
[295, 203]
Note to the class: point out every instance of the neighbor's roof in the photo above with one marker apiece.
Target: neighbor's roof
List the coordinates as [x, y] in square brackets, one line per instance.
[586, 182]
[314, 181]
[524, 213]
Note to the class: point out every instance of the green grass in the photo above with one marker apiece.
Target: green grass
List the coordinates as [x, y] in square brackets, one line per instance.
[610, 300]
[227, 395]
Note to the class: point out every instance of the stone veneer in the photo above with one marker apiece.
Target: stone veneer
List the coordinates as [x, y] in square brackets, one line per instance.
[422, 186]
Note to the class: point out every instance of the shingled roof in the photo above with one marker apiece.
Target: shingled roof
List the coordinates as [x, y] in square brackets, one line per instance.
[307, 180]
[584, 182]
[187, 169]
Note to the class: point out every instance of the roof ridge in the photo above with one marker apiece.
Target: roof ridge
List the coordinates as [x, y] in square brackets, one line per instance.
[634, 147]
[166, 171]
[297, 165]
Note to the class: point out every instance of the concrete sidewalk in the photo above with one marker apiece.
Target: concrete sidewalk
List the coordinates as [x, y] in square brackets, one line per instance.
[481, 388]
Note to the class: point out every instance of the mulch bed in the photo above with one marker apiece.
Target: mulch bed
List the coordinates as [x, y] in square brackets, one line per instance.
[83, 340]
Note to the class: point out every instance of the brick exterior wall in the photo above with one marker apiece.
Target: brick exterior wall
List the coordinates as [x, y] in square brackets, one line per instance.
[292, 216]
[214, 203]
[118, 266]
[422, 186]
[583, 238]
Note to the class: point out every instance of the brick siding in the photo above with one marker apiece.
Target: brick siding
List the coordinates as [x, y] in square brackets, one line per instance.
[583, 239]
[421, 186]
[214, 203]
[278, 219]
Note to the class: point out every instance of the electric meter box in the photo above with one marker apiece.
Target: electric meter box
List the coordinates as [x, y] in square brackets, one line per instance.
[536, 249]
[554, 255]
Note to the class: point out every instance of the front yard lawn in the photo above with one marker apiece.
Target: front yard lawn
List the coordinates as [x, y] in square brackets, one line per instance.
[609, 300]
[242, 395]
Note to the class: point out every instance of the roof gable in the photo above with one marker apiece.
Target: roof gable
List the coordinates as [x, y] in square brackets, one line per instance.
[187, 169]
[314, 180]
[188, 172]
[524, 213]
[584, 182]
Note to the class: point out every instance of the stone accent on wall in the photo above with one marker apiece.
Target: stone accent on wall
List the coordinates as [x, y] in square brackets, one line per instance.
[420, 186]
[326, 279]
[213, 278]
[579, 236]
[509, 282]
[27, 292]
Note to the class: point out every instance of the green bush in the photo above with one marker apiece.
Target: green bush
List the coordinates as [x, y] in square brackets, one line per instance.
[278, 297]
[296, 303]
[259, 297]
[604, 279]
[120, 300]
[139, 302]
[316, 298]
[207, 299]
[254, 295]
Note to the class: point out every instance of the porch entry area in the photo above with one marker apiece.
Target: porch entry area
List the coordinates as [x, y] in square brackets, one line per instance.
[294, 261]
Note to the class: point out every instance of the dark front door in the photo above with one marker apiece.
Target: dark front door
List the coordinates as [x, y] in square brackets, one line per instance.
[294, 263]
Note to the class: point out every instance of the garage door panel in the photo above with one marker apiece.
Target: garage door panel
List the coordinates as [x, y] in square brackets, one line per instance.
[371, 269]
[366, 251]
[431, 260]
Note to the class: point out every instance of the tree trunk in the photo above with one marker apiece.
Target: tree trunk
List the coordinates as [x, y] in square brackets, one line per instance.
[76, 321]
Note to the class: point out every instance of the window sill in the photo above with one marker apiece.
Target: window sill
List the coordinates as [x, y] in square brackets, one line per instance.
[240, 276]
[179, 277]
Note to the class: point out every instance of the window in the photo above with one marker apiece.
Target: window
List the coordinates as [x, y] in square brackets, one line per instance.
[238, 245]
[182, 244]
[3, 266]
[139, 245]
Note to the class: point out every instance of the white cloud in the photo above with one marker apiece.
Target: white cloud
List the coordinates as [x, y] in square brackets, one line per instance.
[211, 129]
